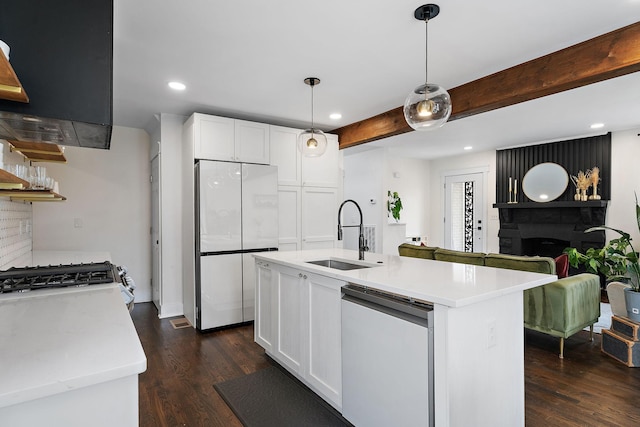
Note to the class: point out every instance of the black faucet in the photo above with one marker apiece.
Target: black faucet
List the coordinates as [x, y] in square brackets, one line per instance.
[361, 247]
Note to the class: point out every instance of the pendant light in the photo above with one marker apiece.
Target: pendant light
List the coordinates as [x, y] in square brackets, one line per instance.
[428, 106]
[312, 142]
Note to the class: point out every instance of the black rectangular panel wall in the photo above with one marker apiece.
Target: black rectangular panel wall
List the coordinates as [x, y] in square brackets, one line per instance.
[574, 155]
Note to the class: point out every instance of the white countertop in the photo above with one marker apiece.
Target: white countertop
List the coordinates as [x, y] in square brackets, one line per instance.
[446, 283]
[52, 341]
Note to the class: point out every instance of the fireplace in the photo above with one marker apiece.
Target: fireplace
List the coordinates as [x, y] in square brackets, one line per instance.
[547, 228]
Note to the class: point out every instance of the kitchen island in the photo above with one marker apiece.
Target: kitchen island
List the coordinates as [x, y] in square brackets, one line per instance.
[71, 356]
[478, 335]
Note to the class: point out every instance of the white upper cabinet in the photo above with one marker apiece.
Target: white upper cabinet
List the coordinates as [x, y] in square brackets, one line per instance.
[252, 142]
[285, 155]
[295, 169]
[322, 171]
[221, 138]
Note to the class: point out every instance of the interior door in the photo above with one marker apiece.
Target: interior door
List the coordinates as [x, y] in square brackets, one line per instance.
[156, 277]
[464, 212]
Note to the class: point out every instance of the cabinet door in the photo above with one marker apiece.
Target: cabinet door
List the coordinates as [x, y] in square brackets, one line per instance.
[289, 205]
[220, 290]
[265, 306]
[322, 171]
[319, 217]
[323, 352]
[288, 286]
[214, 138]
[252, 142]
[285, 155]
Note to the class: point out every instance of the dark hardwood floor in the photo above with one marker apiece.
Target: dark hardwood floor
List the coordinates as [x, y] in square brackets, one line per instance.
[587, 388]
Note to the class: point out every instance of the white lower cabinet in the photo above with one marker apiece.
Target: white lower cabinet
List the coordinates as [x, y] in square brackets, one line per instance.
[298, 324]
[323, 351]
[264, 307]
[288, 311]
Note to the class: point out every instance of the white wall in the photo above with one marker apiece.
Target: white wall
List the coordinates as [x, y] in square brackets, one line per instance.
[411, 179]
[369, 175]
[362, 183]
[625, 181]
[170, 147]
[108, 194]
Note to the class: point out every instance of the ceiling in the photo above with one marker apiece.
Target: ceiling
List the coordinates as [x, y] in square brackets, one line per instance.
[248, 59]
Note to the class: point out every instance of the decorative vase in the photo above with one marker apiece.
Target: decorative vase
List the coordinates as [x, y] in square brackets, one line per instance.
[595, 195]
[577, 195]
[583, 195]
[632, 301]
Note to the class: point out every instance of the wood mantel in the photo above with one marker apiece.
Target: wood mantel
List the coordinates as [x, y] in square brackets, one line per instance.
[604, 57]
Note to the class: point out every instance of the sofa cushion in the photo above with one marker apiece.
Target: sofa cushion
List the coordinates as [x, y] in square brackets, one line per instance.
[474, 258]
[407, 249]
[535, 264]
[562, 266]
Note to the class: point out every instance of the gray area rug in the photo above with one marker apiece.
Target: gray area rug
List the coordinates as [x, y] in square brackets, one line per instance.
[604, 322]
[271, 397]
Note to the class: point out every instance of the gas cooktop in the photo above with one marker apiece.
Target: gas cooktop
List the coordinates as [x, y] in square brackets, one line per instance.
[56, 276]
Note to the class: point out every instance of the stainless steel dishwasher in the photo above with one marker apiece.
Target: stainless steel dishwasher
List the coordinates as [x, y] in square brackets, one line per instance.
[387, 359]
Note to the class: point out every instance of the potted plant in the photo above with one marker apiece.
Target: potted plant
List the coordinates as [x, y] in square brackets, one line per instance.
[617, 261]
[394, 205]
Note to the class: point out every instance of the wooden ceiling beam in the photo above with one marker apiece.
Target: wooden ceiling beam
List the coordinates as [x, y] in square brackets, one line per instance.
[604, 57]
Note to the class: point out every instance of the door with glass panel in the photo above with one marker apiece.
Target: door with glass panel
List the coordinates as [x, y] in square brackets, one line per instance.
[464, 212]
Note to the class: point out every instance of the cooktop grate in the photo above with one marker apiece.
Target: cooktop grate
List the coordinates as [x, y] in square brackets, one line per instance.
[56, 276]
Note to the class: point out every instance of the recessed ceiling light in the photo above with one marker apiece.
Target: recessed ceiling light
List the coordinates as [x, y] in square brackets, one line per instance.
[335, 116]
[177, 86]
[468, 147]
[597, 125]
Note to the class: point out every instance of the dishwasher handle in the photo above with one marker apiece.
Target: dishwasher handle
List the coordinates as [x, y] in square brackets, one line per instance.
[405, 309]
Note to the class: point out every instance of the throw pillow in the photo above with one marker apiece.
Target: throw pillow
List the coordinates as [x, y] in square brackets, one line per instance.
[562, 266]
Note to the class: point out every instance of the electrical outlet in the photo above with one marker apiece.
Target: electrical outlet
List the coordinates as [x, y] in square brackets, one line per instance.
[491, 333]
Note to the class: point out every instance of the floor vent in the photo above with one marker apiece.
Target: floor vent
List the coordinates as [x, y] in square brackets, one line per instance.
[180, 323]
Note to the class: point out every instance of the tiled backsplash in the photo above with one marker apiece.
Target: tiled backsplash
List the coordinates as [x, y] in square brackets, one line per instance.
[16, 224]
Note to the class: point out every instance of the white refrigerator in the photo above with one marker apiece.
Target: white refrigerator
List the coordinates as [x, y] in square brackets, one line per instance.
[236, 215]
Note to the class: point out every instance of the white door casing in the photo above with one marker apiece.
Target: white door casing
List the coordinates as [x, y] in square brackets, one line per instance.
[464, 217]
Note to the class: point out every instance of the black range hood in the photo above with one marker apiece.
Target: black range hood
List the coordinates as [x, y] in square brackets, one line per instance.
[62, 52]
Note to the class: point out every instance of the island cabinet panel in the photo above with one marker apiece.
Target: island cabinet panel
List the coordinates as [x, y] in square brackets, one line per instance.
[264, 306]
[298, 324]
[288, 338]
[323, 350]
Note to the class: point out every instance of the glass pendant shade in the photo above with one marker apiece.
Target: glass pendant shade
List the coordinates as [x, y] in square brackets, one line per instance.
[427, 107]
[312, 143]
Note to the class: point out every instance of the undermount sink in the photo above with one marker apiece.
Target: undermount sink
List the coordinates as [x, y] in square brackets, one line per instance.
[338, 265]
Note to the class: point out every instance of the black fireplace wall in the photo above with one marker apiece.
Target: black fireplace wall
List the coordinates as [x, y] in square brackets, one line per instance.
[574, 155]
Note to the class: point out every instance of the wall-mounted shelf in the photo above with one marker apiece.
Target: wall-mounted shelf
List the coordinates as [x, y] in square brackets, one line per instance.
[39, 151]
[10, 86]
[9, 181]
[32, 195]
[18, 189]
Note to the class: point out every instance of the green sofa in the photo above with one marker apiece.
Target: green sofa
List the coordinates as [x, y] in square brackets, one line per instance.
[559, 308]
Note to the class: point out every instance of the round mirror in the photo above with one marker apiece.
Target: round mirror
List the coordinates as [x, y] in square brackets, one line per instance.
[545, 182]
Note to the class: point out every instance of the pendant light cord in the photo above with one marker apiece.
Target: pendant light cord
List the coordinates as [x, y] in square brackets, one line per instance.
[312, 84]
[426, 53]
